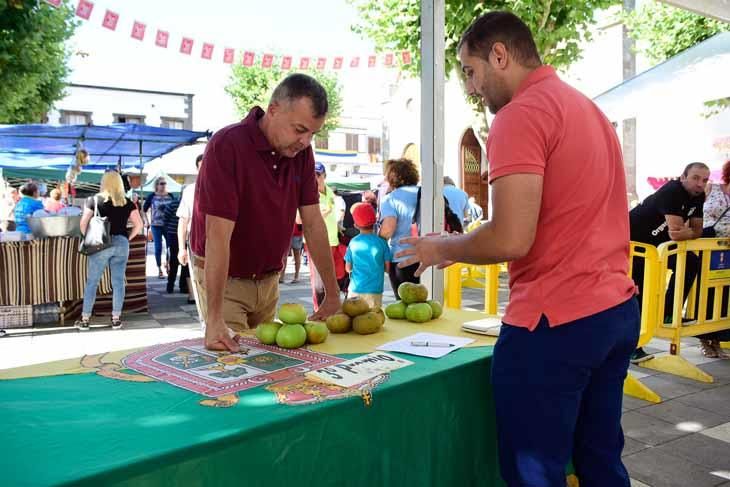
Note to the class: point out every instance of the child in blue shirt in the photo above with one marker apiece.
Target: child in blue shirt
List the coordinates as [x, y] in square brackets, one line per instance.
[367, 258]
[27, 205]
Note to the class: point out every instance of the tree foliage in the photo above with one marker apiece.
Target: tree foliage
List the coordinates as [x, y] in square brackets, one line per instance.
[33, 57]
[663, 31]
[558, 26]
[251, 86]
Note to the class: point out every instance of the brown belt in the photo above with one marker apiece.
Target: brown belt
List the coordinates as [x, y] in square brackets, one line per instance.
[199, 262]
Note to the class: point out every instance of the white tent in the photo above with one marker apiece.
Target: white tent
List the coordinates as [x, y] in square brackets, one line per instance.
[696, 75]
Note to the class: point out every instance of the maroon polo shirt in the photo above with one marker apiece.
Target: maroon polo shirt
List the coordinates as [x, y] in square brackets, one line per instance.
[243, 180]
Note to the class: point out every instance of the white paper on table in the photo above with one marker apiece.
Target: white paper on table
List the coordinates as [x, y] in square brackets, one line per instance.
[404, 345]
[359, 369]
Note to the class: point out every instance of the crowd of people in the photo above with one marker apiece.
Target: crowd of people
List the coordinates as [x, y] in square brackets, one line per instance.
[31, 199]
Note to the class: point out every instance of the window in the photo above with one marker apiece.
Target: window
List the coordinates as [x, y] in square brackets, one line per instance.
[321, 142]
[351, 142]
[172, 123]
[374, 146]
[69, 117]
[121, 118]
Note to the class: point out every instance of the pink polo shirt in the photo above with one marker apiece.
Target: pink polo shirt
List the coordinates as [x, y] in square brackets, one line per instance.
[578, 264]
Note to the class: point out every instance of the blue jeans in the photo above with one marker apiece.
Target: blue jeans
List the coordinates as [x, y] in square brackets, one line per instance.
[558, 394]
[158, 233]
[116, 258]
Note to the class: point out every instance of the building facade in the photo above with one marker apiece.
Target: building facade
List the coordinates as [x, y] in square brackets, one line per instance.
[103, 105]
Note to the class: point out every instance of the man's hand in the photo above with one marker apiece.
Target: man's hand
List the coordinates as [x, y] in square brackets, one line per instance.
[427, 251]
[182, 256]
[217, 337]
[330, 306]
[683, 234]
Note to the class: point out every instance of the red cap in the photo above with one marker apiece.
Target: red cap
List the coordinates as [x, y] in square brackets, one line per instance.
[363, 214]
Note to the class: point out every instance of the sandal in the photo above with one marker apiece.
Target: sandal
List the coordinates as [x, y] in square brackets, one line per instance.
[160, 275]
[720, 352]
[707, 347]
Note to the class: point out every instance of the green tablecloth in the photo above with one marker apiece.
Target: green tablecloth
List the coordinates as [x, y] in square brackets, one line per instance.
[431, 424]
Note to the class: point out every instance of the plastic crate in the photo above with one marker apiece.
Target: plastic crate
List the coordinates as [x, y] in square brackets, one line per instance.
[16, 317]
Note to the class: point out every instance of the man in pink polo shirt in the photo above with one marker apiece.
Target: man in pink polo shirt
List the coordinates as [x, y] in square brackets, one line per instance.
[560, 220]
[257, 174]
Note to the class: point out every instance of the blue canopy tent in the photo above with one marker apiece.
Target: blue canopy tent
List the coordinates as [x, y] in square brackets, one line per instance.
[123, 144]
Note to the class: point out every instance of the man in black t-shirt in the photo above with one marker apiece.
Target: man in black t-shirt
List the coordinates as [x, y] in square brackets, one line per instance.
[672, 213]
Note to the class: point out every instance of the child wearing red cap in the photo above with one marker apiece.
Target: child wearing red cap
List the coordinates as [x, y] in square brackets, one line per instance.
[367, 258]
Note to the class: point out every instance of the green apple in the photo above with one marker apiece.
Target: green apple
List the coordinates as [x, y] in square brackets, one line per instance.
[266, 332]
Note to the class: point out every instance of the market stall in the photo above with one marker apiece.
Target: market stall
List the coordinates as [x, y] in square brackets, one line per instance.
[45, 268]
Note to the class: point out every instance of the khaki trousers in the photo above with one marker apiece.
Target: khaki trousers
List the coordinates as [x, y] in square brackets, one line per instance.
[246, 302]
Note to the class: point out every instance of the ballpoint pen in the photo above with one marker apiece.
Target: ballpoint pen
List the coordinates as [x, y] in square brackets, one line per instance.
[432, 344]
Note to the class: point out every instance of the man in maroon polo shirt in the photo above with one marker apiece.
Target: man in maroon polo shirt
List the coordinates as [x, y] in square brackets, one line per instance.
[257, 174]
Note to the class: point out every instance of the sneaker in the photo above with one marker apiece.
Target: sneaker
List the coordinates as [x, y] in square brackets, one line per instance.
[116, 324]
[82, 325]
[640, 355]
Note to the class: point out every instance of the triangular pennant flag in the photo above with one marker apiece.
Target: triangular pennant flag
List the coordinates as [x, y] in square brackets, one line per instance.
[406, 57]
[186, 45]
[389, 59]
[321, 62]
[372, 61]
[207, 52]
[286, 62]
[162, 37]
[55, 3]
[267, 60]
[228, 54]
[110, 20]
[355, 62]
[84, 9]
[138, 29]
[304, 63]
[338, 62]
[248, 58]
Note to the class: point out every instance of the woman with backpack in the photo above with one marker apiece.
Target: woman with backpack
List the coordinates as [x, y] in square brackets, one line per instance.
[398, 214]
[112, 204]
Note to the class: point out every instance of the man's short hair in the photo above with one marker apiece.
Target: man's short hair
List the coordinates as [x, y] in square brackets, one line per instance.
[198, 160]
[448, 181]
[694, 165]
[504, 27]
[300, 85]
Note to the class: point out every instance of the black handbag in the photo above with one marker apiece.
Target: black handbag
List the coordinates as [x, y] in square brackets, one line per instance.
[98, 233]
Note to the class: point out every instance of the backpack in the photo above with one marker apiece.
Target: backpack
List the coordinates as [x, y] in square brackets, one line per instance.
[452, 223]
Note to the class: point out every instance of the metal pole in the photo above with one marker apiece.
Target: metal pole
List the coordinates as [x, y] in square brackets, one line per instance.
[432, 130]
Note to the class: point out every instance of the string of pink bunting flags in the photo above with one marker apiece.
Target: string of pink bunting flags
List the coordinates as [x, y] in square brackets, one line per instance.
[110, 20]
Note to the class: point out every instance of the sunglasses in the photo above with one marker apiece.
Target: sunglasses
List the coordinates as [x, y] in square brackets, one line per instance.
[163, 183]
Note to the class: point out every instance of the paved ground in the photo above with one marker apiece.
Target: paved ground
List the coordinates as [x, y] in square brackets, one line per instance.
[682, 442]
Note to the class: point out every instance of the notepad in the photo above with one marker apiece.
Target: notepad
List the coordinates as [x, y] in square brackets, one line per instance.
[486, 326]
